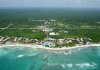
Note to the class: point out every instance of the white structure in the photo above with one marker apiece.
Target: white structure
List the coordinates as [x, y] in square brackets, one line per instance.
[2, 38]
[6, 39]
[46, 30]
[61, 40]
[53, 33]
[52, 20]
[50, 39]
[15, 39]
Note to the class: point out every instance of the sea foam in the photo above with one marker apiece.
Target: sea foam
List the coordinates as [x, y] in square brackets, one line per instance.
[84, 65]
[19, 56]
[69, 65]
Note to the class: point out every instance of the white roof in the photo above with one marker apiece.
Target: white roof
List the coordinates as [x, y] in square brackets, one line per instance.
[53, 33]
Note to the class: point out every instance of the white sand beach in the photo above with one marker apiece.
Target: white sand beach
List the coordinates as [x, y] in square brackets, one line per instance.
[42, 47]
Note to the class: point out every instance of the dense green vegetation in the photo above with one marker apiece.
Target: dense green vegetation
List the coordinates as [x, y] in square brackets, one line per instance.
[74, 33]
[78, 22]
[76, 17]
[27, 33]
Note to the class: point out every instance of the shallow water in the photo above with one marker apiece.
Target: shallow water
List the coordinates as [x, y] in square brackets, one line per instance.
[23, 58]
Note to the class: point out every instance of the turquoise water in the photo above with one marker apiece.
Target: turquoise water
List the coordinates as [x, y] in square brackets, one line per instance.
[21, 58]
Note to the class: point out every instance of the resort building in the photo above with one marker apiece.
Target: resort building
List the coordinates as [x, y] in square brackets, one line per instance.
[49, 39]
[6, 39]
[47, 29]
[1, 38]
[52, 20]
[61, 41]
[53, 33]
[15, 39]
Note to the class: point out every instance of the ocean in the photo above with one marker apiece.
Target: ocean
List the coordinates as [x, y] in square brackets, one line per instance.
[24, 58]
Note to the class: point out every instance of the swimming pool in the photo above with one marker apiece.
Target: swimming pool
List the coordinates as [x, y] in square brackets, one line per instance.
[48, 44]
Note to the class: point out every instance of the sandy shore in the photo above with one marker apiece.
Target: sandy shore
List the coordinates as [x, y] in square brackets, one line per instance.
[40, 46]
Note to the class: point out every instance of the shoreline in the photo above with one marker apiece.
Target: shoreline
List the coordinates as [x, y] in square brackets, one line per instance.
[47, 48]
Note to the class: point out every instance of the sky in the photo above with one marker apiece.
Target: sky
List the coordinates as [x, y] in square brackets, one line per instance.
[50, 3]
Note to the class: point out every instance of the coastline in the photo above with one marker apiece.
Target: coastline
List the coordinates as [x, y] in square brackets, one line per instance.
[47, 48]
